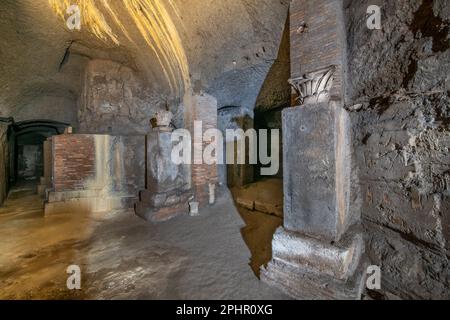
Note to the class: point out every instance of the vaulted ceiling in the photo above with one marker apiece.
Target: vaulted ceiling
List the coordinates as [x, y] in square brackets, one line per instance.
[210, 45]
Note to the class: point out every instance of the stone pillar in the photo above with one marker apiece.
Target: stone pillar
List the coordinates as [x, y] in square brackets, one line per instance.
[168, 188]
[46, 180]
[318, 253]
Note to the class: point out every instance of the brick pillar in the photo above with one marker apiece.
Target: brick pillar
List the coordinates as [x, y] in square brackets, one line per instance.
[201, 107]
[318, 253]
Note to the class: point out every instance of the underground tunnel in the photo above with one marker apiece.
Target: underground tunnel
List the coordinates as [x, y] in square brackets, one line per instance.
[225, 150]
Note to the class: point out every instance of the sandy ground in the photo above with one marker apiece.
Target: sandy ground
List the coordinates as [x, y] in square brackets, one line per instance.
[124, 257]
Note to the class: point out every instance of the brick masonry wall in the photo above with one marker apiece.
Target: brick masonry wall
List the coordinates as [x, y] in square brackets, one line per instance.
[322, 43]
[202, 108]
[73, 161]
[121, 160]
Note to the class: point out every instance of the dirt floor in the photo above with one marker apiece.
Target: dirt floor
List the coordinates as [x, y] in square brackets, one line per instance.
[124, 257]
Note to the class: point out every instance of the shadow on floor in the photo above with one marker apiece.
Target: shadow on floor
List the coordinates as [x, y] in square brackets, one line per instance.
[260, 228]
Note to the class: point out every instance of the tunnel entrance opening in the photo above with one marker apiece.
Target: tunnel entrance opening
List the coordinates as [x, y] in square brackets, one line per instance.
[269, 120]
[29, 157]
[25, 160]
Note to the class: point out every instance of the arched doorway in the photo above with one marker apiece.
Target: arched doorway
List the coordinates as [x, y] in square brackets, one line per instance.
[26, 148]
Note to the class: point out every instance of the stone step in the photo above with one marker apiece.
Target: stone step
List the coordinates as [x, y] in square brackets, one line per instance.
[264, 196]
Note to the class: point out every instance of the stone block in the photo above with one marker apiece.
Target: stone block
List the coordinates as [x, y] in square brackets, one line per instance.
[269, 208]
[246, 203]
[306, 268]
[171, 209]
[168, 185]
[162, 174]
[317, 190]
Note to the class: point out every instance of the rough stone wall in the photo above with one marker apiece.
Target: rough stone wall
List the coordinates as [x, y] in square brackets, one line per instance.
[243, 40]
[4, 161]
[276, 91]
[54, 108]
[115, 100]
[129, 163]
[399, 102]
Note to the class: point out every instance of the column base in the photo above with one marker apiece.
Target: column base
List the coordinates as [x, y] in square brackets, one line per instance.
[93, 201]
[309, 269]
[161, 207]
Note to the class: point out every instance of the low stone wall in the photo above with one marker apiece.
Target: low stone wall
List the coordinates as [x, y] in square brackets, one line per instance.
[96, 172]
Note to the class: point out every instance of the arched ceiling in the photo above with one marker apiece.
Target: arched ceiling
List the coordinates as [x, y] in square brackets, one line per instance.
[206, 44]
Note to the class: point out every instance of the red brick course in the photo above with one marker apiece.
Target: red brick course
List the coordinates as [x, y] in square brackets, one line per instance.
[322, 44]
[73, 161]
[202, 174]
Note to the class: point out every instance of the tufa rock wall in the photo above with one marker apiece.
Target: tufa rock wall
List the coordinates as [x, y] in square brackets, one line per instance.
[398, 98]
[116, 100]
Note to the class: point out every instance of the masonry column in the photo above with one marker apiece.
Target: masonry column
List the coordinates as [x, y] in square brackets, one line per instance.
[318, 253]
[201, 107]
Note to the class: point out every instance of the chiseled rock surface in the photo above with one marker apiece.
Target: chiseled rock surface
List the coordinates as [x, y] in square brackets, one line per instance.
[400, 76]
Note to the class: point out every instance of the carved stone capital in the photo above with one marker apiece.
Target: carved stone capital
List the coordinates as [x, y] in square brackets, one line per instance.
[314, 87]
[161, 121]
